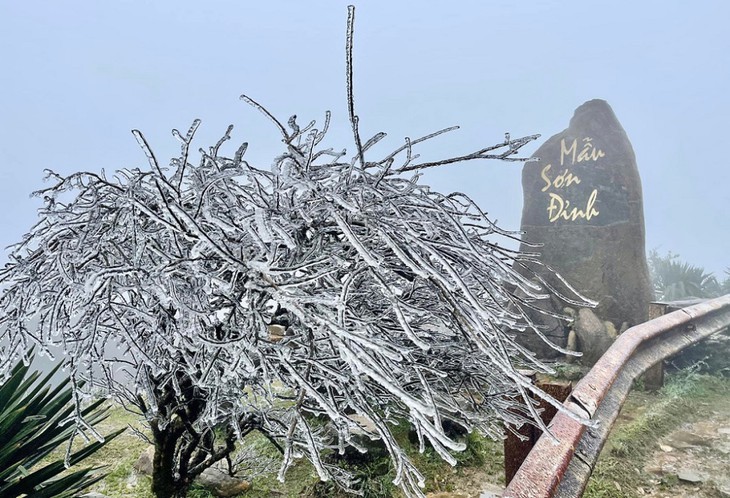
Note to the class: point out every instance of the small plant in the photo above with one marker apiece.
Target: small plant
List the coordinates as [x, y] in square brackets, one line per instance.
[33, 418]
[675, 279]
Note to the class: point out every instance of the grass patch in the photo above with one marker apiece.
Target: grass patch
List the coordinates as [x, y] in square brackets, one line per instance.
[617, 474]
[376, 473]
[373, 469]
[618, 470]
[115, 459]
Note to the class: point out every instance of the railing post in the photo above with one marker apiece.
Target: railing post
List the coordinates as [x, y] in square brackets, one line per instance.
[518, 442]
[516, 449]
[654, 377]
[560, 390]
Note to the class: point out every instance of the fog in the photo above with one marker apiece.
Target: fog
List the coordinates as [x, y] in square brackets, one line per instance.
[78, 76]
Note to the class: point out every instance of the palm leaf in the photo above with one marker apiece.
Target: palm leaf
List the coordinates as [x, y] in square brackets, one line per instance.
[30, 414]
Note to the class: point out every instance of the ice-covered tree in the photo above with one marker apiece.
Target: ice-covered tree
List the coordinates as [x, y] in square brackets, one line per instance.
[217, 298]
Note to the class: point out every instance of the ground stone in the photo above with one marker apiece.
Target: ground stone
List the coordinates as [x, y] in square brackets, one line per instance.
[583, 202]
[366, 426]
[686, 439]
[143, 465]
[690, 476]
[611, 330]
[491, 491]
[571, 345]
[593, 338]
[655, 468]
[724, 490]
[221, 484]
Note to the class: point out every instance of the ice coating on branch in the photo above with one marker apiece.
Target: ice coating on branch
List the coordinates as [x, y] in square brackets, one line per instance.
[339, 285]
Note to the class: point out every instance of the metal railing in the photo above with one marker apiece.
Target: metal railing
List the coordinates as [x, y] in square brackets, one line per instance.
[561, 469]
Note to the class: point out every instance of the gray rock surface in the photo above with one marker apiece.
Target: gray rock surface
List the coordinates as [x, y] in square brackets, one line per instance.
[553, 329]
[593, 337]
[571, 345]
[723, 489]
[221, 484]
[583, 201]
[143, 465]
[611, 330]
[688, 475]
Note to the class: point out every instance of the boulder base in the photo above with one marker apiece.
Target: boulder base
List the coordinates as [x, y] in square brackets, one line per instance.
[594, 337]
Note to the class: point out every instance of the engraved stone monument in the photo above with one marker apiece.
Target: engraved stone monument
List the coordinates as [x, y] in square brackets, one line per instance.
[582, 201]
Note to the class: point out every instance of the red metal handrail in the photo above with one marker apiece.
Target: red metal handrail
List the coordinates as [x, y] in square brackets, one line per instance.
[562, 468]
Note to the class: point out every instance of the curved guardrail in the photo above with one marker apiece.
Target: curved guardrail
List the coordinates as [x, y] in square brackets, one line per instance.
[561, 469]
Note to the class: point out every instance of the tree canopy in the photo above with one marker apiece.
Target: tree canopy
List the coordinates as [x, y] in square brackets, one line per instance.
[218, 298]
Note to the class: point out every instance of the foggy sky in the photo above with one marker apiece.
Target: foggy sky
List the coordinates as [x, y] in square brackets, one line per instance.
[78, 76]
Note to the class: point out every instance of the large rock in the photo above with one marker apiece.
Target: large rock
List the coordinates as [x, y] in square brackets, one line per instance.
[594, 336]
[582, 201]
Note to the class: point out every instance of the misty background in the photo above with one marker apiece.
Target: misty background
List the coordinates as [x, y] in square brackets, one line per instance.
[77, 76]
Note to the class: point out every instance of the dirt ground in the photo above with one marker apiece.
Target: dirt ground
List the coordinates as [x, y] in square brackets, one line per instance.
[694, 460]
[473, 483]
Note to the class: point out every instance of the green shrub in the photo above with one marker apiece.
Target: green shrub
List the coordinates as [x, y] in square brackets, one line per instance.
[31, 412]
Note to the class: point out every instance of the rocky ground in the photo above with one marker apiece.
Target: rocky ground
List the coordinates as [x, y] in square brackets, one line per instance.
[694, 460]
[672, 444]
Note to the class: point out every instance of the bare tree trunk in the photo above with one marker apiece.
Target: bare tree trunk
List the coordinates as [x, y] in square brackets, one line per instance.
[164, 482]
